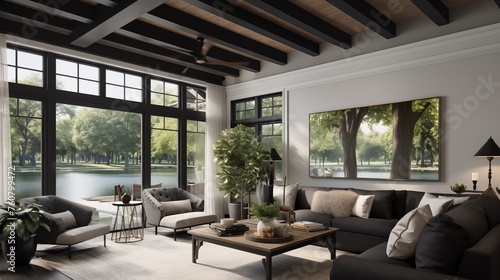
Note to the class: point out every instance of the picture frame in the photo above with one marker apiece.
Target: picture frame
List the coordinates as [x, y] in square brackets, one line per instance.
[396, 141]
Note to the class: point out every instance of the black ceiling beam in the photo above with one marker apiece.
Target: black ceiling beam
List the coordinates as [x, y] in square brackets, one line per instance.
[304, 20]
[250, 21]
[168, 55]
[155, 35]
[366, 14]
[56, 39]
[434, 9]
[185, 22]
[19, 13]
[109, 20]
[75, 10]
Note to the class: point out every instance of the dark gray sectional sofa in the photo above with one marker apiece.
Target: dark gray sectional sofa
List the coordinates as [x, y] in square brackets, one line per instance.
[358, 234]
[462, 243]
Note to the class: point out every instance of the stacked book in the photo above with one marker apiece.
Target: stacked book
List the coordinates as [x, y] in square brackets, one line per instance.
[308, 226]
[234, 229]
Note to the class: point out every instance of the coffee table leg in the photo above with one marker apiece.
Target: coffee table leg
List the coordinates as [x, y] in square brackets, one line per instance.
[196, 248]
[268, 267]
[330, 243]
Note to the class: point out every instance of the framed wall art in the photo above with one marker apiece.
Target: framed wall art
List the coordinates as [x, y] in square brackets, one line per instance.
[398, 141]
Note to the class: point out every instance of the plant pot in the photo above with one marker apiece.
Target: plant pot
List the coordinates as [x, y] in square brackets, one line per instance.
[235, 210]
[265, 228]
[19, 253]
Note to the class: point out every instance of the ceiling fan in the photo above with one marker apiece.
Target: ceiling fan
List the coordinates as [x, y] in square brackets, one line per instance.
[201, 56]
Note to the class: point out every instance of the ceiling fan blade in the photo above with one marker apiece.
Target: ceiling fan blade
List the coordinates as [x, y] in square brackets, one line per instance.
[207, 45]
[227, 63]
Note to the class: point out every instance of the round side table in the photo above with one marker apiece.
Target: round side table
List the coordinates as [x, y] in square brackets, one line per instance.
[128, 222]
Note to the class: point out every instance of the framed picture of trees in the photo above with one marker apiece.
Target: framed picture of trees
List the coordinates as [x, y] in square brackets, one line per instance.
[398, 141]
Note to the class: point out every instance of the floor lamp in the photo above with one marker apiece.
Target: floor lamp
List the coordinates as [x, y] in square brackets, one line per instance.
[489, 150]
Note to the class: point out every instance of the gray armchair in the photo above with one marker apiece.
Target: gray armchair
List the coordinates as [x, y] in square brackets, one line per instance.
[70, 221]
[174, 208]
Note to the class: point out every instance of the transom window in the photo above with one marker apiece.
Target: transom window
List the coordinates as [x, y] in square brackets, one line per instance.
[123, 86]
[271, 106]
[24, 68]
[164, 93]
[77, 77]
[244, 110]
[196, 99]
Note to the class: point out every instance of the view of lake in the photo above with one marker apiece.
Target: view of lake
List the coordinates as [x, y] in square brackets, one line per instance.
[81, 184]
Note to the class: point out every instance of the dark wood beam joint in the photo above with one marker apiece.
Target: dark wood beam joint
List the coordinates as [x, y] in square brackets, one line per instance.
[366, 14]
[107, 20]
[435, 10]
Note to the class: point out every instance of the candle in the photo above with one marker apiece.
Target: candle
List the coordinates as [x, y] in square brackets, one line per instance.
[475, 176]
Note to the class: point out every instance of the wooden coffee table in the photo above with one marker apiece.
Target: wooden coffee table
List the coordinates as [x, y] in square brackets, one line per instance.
[268, 250]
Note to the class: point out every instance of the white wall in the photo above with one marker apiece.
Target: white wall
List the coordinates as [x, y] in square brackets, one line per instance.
[453, 67]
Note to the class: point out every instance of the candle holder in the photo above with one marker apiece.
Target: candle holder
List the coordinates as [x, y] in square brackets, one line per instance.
[474, 182]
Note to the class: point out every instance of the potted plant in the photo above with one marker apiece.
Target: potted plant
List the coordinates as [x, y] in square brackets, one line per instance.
[18, 225]
[239, 157]
[265, 213]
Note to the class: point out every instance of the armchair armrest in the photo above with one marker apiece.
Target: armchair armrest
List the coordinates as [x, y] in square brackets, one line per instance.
[354, 268]
[153, 208]
[56, 227]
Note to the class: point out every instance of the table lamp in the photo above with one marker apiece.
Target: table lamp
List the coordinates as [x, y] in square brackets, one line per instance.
[489, 150]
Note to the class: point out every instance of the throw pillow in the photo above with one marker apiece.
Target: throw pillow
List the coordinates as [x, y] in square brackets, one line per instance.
[456, 199]
[382, 203]
[335, 203]
[176, 206]
[438, 205]
[68, 219]
[290, 195]
[363, 206]
[404, 236]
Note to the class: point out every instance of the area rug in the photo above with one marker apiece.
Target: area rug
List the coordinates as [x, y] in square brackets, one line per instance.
[160, 257]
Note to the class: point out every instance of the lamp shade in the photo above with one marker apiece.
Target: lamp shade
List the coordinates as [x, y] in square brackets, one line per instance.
[274, 154]
[489, 149]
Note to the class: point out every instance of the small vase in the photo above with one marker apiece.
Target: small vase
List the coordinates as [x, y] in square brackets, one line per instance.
[265, 228]
[126, 198]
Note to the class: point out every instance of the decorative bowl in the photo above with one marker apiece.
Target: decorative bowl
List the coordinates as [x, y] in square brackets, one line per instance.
[458, 188]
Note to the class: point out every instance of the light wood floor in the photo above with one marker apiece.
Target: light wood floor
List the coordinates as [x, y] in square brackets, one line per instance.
[157, 257]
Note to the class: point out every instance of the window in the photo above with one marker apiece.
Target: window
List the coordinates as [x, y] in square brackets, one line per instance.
[196, 150]
[24, 67]
[123, 86]
[264, 114]
[96, 149]
[271, 106]
[164, 147]
[164, 93]
[195, 98]
[26, 137]
[77, 77]
[245, 110]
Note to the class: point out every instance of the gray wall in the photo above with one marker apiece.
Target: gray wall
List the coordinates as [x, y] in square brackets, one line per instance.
[454, 67]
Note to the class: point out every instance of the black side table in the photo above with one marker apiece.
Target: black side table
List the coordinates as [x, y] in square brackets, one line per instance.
[128, 223]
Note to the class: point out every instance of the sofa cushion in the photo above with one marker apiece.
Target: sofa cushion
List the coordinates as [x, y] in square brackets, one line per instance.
[176, 206]
[382, 203]
[438, 205]
[378, 254]
[68, 218]
[372, 226]
[336, 203]
[404, 236]
[290, 195]
[363, 206]
[446, 237]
